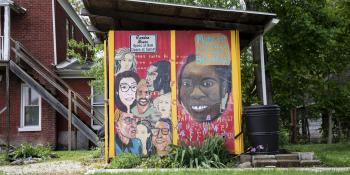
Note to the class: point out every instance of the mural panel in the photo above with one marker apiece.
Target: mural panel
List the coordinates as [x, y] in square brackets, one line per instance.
[143, 121]
[204, 86]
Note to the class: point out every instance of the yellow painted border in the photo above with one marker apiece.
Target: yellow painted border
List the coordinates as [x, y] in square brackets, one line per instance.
[173, 85]
[105, 71]
[111, 93]
[236, 90]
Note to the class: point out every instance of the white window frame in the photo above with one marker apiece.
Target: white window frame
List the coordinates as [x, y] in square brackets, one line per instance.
[95, 127]
[23, 128]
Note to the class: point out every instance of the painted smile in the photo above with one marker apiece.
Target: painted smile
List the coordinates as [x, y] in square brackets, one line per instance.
[159, 141]
[199, 108]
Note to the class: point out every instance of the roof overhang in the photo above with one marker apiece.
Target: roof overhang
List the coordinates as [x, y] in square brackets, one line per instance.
[15, 7]
[146, 15]
[76, 19]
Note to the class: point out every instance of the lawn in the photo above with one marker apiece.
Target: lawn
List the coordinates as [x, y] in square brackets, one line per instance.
[2, 159]
[74, 155]
[234, 172]
[334, 155]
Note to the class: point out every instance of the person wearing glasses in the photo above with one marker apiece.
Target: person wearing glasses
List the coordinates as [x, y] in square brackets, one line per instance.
[203, 90]
[125, 137]
[161, 136]
[125, 89]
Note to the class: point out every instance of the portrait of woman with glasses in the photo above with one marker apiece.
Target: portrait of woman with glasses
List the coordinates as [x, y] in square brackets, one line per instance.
[125, 90]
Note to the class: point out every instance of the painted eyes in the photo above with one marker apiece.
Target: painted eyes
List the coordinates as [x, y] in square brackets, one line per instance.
[207, 83]
[203, 84]
[125, 88]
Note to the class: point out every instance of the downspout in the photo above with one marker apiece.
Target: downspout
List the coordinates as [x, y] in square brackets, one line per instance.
[54, 31]
[267, 27]
[7, 30]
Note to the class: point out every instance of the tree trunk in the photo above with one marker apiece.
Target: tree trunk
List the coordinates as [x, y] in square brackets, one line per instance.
[330, 128]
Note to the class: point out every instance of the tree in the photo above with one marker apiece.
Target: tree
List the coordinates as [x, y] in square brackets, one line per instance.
[306, 49]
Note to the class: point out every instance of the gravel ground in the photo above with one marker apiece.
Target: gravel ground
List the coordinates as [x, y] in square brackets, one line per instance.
[52, 167]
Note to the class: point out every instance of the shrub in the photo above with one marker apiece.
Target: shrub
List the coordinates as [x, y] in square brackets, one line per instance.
[158, 162]
[210, 154]
[98, 152]
[126, 160]
[27, 150]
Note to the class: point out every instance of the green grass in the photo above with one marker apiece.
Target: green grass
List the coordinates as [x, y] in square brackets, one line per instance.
[2, 159]
[334, 155]
[235, 172]
[74, 155]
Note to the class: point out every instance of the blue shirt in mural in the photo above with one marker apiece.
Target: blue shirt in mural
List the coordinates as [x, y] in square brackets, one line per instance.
[134, 146]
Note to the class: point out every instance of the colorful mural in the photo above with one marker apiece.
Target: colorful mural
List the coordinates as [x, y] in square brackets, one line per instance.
[170, 88]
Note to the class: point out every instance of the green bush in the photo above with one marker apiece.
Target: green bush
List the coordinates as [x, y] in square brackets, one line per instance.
[126, 160]
[158, 162]
[27, 150]
[210, 154]
[283, 137]
[98, 152]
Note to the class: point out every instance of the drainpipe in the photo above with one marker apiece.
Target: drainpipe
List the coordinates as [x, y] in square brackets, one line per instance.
[268, 27]
[7, 30]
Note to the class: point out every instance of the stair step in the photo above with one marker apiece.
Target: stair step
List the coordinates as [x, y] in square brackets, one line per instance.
[264, 163]
[310, 163]
[264, 157]
[288, 163]
[287, 157]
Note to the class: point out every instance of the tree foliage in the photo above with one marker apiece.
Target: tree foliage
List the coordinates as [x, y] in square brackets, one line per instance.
[308, 55]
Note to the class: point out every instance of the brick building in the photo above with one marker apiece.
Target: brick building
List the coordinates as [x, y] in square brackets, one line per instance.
[34, 99]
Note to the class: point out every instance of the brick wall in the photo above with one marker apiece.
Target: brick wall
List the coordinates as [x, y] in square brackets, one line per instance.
[61, 17]
[34, 31]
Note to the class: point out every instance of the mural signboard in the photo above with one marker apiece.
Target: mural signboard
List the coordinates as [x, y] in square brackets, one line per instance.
[167, 87]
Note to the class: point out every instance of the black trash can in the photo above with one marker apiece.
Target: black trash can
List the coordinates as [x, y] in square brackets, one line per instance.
[262, 125]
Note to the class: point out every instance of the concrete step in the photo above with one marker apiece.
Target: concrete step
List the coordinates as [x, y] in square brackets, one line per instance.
[288, 163]
[264, 163]
[310, 163]
[287, 156]
[263, 157]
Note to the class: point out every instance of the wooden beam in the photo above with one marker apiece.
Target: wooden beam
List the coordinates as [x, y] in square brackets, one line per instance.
[69, 120]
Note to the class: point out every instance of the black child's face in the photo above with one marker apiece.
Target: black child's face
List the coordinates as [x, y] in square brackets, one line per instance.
[200, 92]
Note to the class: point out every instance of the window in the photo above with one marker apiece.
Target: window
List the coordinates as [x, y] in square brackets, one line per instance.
[72, 32]
[30, 109]
[97, 101]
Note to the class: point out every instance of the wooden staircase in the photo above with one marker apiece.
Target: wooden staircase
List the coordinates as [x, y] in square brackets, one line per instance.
[40, 78]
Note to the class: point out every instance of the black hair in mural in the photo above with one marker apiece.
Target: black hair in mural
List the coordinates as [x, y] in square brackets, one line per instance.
[207, 105]
[127, 74]
[162, 82]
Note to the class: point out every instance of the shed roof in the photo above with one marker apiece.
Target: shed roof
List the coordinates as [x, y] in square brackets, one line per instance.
[147, 15]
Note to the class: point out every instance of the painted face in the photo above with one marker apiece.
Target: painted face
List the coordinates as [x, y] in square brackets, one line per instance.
[151, 76]
[200, 92]
[127, 90]
[127, 125]
[141, 133]
[164, 105]
[127, 62]
[142, 96]
[161, 136]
